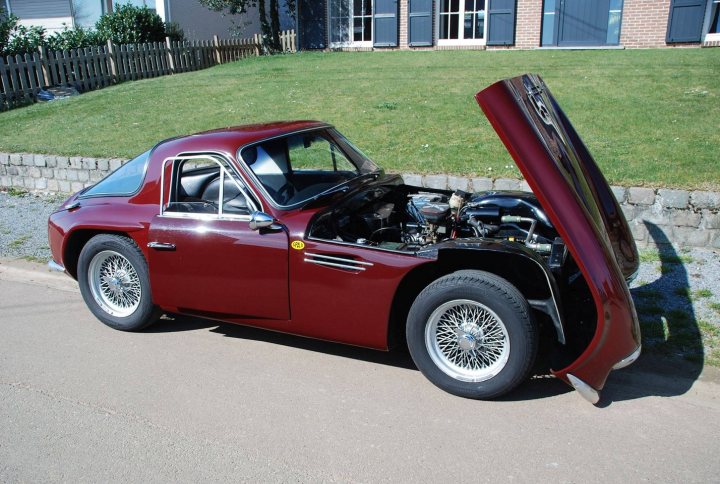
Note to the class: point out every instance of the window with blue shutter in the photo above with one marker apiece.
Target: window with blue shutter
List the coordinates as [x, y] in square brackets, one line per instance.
[501, 22]
[686, 20]
[386, 23]
[311, 24]
[420, 23]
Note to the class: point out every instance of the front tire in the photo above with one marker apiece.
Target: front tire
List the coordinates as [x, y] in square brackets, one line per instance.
[471, 333]
[114, 282]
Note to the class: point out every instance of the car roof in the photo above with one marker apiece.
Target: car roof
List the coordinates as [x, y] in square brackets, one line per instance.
[230, 139]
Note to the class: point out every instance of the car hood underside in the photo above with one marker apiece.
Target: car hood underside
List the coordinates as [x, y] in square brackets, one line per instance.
[578, 200]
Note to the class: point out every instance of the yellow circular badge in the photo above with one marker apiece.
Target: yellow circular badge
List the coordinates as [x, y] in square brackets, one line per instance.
[298, 244]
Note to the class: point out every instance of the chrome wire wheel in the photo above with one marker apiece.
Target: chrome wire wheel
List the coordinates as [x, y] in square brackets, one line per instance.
[467, 340]
[114, 283]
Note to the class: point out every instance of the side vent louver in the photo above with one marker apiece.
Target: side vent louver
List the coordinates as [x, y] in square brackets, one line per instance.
[340, 262]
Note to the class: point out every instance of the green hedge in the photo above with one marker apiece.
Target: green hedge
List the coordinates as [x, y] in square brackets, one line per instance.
[126, 25]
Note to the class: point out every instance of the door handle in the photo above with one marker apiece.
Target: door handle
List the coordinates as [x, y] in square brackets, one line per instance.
[161, 245]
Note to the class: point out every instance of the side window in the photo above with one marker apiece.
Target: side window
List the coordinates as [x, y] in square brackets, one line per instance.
[315, 153]
[123, 181]
[205, 186]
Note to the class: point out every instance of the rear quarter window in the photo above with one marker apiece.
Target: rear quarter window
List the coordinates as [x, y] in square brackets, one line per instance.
[126, 180]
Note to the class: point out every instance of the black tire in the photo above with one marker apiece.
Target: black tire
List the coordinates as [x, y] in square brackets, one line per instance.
[466, 358]
[111, 249]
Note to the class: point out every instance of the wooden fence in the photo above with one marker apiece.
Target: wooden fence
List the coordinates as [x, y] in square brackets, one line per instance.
[23, 76]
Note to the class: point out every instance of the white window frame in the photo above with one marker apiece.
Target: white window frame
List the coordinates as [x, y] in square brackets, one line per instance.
[461, 27]
[708, 37]
[351, 19]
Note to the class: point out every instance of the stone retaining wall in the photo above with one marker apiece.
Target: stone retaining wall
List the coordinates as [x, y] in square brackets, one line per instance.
[687, 218]
[48, 173]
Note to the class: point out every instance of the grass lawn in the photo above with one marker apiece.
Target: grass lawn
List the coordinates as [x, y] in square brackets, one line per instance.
[650, 117]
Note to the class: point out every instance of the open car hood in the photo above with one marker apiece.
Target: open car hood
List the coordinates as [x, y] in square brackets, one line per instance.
[578, 200]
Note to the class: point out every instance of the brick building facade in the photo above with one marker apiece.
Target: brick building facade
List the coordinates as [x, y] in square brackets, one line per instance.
[518, 24]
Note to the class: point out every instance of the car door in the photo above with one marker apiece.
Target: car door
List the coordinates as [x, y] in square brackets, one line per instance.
[344, 293]
[203, 256]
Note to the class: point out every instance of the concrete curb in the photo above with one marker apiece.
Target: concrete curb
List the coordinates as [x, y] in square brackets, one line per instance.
[18, 270]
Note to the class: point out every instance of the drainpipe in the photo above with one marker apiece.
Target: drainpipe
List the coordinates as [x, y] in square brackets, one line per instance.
[72, 13]
[161, 8]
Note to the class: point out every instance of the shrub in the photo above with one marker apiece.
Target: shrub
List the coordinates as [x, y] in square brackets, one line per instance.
[16, 38]
[7, 25]
[75, 38]
[24, 39]
[174, 32]
[131, 25]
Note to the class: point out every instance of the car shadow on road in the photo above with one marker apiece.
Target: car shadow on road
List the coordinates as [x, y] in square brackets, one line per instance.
[397, 357]
[668, 334]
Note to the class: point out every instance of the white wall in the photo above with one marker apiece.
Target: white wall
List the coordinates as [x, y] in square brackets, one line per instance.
[51, 14]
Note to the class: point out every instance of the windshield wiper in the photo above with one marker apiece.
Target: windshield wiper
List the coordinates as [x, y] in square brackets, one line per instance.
[343, 187]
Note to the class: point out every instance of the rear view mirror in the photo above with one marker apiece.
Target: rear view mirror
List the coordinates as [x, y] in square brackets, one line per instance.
[260, 220]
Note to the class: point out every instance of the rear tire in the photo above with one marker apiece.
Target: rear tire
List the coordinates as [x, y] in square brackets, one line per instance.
[115, 284]
[471, 333]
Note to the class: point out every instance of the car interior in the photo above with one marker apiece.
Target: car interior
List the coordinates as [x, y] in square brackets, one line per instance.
[198, 191]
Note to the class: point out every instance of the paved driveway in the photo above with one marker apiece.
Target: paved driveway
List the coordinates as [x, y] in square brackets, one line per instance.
[190, 400]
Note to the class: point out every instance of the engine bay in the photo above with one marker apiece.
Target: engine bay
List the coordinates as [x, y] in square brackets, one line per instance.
[405, 218]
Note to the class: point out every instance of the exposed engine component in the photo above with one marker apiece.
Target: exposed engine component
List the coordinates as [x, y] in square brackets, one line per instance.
[391, 218]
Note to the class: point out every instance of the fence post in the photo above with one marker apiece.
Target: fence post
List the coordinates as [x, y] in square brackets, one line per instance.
[216, 43]
[256, 41]
[43, 64]
[170, 57]
[112, 60]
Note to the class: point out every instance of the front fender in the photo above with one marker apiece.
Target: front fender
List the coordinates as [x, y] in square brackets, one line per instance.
[503, 256]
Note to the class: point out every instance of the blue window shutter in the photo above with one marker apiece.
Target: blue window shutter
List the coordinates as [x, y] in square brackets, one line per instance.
[420, 23]
[501, 22]
[686, 20]
[386, 23]
[311, 24]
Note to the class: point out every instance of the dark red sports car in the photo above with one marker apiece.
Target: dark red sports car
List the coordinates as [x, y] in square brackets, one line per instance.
[288, 226]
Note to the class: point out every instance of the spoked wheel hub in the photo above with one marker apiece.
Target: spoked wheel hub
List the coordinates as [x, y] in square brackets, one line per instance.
[114, 283]
[467, 340]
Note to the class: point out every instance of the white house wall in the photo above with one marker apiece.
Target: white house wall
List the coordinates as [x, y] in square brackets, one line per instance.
[51, 14]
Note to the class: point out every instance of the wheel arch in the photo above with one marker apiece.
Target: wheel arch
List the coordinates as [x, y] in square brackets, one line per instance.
[76, 240]
[528, 275]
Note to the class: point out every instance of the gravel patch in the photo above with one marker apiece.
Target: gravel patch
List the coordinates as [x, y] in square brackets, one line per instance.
[676, 293]
[677, 298]
[23, 224]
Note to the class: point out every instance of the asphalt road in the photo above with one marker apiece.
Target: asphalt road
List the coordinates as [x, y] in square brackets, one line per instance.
[191, 400]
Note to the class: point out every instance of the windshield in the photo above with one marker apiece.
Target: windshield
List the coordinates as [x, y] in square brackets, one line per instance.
[295, 168]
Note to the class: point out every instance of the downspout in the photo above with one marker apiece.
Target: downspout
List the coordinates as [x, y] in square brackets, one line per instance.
[72, 12]
[163, 9]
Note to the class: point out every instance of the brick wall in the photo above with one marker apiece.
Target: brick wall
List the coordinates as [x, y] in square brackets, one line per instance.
[644, 23]
[403, 21]
[528, 24]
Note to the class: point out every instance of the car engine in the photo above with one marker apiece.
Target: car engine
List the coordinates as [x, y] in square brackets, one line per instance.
[403, 218]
